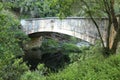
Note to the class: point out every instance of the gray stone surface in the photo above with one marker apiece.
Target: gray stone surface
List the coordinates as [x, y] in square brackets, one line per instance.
[82, 28]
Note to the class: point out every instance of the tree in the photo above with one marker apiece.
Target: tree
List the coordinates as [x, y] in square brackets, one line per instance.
[10, 67]
[97, 8]
[33, 8]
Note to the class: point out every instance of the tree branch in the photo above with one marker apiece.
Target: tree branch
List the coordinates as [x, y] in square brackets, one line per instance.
[115, 22]
[90, 14]
[107, 8]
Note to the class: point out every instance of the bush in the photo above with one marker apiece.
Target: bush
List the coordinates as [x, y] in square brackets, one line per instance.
[35, 75]
[13, 71]
[67, 47]
[10, 68]
[94, 68]
[52, 46]
[49, 46]
[74, 56]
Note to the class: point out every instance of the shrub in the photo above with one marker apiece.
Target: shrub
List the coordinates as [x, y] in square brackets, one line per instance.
[35, 75]
[13, 71]
[52, 46]
[67, 47]
[49, 46]
[10, 68]
[74, 56]
[92, 68]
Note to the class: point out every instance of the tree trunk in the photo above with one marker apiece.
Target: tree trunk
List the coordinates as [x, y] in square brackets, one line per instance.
[113, 30]
[116, 37]
[116, 28]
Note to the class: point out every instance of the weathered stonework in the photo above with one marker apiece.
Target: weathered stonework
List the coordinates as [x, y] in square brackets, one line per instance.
[82, 28]
[33, 43]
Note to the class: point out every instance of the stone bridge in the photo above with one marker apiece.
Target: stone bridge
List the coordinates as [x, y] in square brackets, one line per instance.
[78, 27]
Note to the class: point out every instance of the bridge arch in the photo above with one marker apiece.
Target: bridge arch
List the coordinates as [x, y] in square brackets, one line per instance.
[82, 28]
[76, 35]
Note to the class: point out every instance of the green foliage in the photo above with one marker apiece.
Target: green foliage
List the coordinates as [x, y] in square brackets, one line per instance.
[10, 68]
[74, 40]
[74, 56]
[49, 46]
[90, 65]
[36, 75]
[94, 68]
[40, 67]
[79, 8]
[13, 71]
[117, 6]
[1, 5]
[52, 46]
[67, 47]
[8, 29]
[86, 53]
[64, 7]
[34, 8]
[93, 9]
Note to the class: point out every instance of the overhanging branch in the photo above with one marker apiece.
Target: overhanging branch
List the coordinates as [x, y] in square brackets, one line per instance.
[90, 14]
